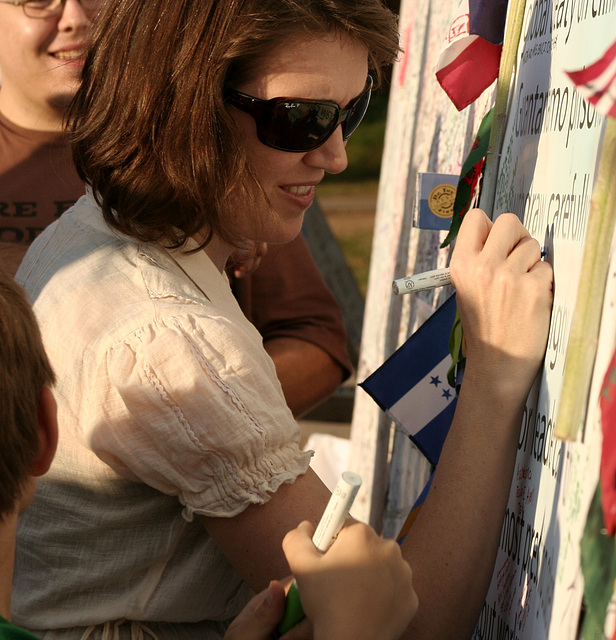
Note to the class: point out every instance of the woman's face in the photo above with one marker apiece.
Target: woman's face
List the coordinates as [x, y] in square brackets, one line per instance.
[327, 67]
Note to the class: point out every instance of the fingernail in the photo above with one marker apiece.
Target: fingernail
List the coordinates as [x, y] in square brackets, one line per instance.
[269, 596]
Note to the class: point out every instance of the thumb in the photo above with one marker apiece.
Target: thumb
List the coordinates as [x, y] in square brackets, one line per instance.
[299, 548]
[259, 617]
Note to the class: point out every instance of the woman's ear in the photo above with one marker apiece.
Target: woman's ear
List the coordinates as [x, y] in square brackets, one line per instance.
[47, 433]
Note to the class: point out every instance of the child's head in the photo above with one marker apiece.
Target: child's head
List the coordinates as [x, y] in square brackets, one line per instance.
[25, 375]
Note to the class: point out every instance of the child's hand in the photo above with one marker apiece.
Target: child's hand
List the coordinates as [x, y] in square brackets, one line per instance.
[361, 588]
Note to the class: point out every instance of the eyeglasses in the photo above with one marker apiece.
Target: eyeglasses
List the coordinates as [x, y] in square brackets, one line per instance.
[296, 124]
[50, 8]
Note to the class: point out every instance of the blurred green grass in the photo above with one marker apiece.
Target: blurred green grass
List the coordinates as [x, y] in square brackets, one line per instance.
[353, 229]
[365, 146]
[357, 249]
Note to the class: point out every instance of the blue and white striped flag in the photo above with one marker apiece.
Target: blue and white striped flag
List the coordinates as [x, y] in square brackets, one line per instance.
[411, 385]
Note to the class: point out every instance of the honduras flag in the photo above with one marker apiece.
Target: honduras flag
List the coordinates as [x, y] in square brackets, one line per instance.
[415, 509]
[411, 385]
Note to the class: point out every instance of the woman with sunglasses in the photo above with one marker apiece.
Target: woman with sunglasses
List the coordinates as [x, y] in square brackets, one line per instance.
[199, 125]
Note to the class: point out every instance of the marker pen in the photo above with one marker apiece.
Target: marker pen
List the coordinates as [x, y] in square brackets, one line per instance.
[429, 279]
[329, 527]
[422, 281]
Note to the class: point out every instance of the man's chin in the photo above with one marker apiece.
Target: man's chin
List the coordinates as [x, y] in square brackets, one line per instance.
[61, 101]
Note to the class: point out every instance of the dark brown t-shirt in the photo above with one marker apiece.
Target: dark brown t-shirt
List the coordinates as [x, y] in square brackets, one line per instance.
[37, 181]
[288, 297]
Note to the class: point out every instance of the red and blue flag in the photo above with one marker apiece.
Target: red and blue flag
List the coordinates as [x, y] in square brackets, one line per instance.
[470, 60]
[596, 82]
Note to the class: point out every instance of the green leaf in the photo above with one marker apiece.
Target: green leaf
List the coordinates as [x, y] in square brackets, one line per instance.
[469, 176]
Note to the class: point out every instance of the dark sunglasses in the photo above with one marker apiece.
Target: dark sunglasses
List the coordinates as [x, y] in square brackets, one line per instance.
[296, 124]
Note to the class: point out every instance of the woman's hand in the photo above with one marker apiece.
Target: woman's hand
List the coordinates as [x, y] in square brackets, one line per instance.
[504, 296]
[246, 259]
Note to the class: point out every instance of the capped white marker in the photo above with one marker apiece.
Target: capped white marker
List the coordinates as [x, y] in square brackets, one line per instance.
[337, 510]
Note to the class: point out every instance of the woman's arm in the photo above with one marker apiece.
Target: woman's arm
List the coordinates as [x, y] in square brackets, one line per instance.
[504, 294]
[360, 589]
[252, 540]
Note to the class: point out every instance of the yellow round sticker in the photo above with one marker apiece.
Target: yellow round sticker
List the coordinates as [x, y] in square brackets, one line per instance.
[441, 200]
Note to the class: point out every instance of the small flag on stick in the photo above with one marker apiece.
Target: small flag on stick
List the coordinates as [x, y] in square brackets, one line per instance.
[596, 82]
[469, 63]
[411, 385]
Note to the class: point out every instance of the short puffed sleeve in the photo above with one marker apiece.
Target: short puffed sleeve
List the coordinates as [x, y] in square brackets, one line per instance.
[193, 408]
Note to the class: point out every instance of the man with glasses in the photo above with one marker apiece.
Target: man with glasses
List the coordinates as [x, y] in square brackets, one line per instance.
[42, 49]
[41, 55]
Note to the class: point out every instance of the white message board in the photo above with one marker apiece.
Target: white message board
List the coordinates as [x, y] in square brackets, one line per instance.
[425, 133]
[547, 168]
[546, 175]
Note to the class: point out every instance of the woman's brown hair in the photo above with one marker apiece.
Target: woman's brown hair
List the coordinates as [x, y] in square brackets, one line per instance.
[151, 132]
